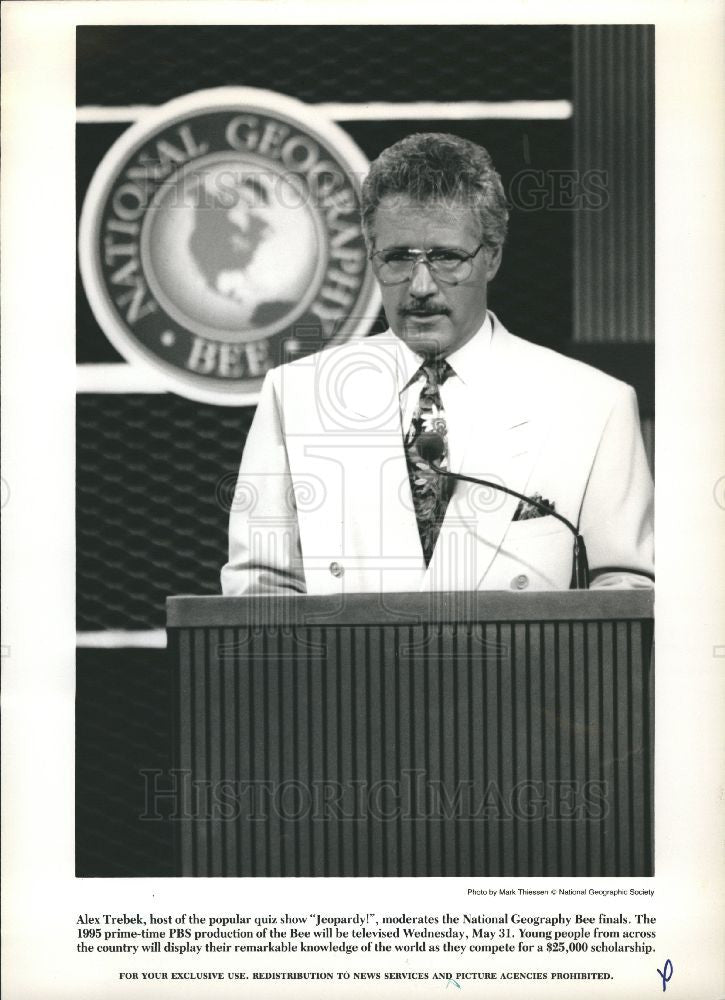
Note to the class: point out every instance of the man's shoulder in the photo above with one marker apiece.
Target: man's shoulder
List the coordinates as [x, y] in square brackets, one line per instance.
[548, 368]
[361, 349]
[373, 344]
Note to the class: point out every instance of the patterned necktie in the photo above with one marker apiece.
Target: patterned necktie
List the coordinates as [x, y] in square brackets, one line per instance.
[430, 491]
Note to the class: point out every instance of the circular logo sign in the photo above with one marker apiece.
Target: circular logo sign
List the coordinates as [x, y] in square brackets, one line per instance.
[221, 236]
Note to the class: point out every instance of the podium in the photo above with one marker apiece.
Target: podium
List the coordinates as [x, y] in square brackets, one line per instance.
[443, 734]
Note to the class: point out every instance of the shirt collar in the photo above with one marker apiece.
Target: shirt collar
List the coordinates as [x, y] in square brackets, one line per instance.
[466, 362]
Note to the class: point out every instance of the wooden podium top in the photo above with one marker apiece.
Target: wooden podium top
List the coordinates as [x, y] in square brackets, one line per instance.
[409, 608]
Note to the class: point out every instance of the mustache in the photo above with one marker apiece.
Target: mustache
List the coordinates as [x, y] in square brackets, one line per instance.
[423, 310]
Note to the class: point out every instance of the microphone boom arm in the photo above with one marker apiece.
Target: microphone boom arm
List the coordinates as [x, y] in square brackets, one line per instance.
[580, 570]
[544, 507]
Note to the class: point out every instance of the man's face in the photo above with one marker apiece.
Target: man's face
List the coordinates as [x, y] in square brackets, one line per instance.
[432, 317]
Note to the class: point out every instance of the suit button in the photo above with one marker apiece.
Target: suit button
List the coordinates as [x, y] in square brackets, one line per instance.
[520, 582]
[336, 569]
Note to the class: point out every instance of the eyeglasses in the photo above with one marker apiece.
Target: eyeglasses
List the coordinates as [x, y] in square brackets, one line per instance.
[448, 264]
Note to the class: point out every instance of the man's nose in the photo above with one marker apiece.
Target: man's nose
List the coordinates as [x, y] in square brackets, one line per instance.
[421, 281]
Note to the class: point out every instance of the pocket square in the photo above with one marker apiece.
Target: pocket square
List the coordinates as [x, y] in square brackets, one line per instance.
[526, 510]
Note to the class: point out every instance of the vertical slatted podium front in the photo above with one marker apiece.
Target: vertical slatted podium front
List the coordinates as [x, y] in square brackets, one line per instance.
[487, 734]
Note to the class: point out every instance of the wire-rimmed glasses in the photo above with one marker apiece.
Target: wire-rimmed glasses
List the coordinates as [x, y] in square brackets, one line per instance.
[448, 264]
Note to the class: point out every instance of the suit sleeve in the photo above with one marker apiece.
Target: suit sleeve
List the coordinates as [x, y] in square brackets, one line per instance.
[616, 518]
[264, 542]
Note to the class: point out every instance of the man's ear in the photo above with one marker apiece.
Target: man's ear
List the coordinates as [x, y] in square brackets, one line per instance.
[494, 262]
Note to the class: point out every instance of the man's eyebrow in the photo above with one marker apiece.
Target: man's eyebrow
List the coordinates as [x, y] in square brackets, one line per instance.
[435, 246]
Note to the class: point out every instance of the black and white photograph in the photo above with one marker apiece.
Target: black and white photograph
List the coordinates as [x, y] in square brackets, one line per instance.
[332, 350]
[417, 296]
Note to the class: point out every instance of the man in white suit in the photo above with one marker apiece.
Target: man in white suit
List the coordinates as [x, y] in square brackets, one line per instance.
[334, 495]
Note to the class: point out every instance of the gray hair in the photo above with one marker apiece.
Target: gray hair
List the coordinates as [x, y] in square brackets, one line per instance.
[435, 166]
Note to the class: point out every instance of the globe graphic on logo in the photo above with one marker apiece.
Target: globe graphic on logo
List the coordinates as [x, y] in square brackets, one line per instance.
[232, 249]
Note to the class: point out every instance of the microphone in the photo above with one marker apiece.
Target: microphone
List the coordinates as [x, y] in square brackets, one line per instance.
[431, 449]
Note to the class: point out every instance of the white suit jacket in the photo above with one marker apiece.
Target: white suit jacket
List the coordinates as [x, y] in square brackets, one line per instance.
[323, 502]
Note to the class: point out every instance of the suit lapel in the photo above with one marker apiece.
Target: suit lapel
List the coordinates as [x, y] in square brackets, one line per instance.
[504, 437]
[364, 391]
[372, 399]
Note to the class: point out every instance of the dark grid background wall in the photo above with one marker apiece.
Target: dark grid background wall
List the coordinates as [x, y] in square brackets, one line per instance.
[149, 65]
[150, 520]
